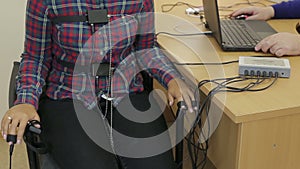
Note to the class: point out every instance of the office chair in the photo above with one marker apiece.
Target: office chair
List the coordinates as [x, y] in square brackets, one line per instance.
[32, 156]
[38, 157]
[12, 84]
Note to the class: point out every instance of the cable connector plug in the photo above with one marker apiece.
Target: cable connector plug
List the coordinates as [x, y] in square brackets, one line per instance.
[11, 139]
[194, 11]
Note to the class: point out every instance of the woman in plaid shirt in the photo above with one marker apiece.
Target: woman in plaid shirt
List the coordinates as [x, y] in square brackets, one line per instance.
[54, 55]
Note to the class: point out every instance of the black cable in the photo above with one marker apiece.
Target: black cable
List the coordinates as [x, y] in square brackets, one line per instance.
[249, 86]
[221, 87]
[171, 6]
[264, 88]
[194, 145]
[184, 34]
[189, 143]
[207, 63]
[192, 132]
[11, 149]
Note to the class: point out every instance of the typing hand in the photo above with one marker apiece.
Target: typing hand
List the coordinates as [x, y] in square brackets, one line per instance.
[280, 44]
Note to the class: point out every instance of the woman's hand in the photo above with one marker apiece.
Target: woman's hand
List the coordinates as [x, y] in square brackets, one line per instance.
[280, 44]
[255, 13]
[15, 120]
[178, 90]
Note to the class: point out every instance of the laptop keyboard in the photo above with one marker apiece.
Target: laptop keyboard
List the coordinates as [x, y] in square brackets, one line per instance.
[238, 33]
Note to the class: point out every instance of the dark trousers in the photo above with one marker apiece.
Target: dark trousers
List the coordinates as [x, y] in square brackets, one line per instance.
[71, 132]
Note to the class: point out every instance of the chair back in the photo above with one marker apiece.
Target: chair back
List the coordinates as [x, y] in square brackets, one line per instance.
[12, 84]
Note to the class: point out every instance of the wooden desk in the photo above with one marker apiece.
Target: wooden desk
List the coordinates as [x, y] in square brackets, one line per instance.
[258, 130]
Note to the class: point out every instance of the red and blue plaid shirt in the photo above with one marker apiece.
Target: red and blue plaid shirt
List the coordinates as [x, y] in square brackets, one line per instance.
[130, 32]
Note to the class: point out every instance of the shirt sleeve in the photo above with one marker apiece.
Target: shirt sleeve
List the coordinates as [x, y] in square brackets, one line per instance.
[36, 58]
[150, 56]
[287, 10]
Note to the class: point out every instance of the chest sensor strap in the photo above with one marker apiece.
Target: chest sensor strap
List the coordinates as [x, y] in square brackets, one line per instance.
[92, 17]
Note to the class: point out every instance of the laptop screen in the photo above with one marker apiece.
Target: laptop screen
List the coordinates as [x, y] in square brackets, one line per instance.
[211, 14]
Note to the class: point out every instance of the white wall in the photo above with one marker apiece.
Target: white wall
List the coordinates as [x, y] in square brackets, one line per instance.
[11, 43]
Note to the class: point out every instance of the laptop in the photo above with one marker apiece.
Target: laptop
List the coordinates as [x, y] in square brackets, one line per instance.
[234, 35]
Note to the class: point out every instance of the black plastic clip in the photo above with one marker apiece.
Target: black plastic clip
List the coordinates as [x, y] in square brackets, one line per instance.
[32, 137]
[97, 16]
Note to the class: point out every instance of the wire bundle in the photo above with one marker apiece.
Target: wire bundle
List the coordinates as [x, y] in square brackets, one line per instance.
[198, 150]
